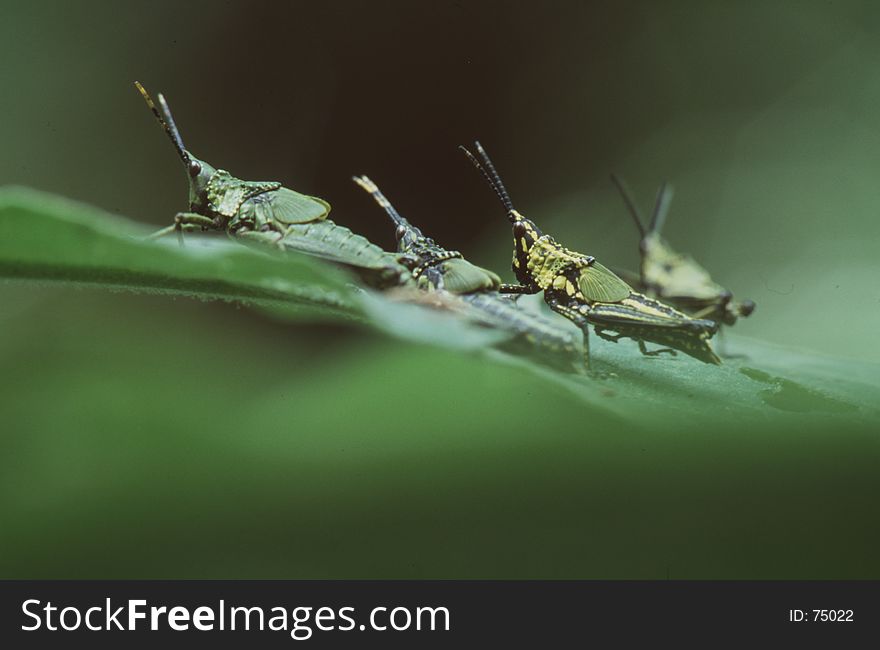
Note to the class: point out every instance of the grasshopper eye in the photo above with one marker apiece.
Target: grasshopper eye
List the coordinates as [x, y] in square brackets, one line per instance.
[401, 231]
[195, 168]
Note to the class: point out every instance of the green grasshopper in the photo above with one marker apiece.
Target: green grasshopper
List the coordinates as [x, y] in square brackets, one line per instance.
[266, 213]
[675, 278]
[438, 269]
[577, 287]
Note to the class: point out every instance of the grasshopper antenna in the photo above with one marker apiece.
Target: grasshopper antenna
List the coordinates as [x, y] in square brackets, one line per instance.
[496, 178]
[630, 203]
[373, 190]
[661, 207]
[491, 175]
[166, 121]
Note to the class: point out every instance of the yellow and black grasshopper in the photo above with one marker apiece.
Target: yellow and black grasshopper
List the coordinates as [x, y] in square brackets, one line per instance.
[673, 277]
[579, 288]
[266, 213]
[438, 269]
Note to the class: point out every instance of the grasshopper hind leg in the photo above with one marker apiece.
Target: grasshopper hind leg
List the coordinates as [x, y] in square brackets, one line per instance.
[608, 337]
[642, 347]
[581, 321]
[654, 353]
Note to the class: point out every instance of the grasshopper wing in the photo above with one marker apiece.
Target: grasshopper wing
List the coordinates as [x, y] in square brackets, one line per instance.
[460, 276]
[286, 207]
[598, 284]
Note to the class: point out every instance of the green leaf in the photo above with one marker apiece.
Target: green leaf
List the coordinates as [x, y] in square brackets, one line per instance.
[164, 439]
[47, 238]
[52, 239]
[413, 322]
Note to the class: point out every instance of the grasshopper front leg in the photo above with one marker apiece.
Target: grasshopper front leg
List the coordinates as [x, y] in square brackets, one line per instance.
[519, 289]
[184, 221]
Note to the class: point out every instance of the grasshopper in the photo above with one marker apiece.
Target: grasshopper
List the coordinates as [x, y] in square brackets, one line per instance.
[675, 278]
[582, 290]
[432, 266]
[266, 213]
[438, 269]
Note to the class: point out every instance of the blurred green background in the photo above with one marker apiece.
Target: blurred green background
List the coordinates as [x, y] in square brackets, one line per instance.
[150, 437]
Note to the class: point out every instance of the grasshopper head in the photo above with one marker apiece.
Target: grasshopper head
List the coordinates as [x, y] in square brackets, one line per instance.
[200, 174]
[745, 308]
[525, 234]
[730, 309]
[410, 239]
